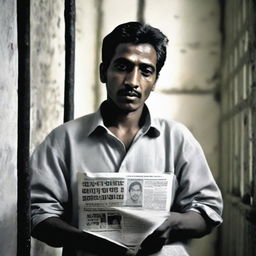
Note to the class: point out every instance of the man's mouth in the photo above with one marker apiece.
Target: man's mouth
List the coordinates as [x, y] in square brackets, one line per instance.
[129, 93]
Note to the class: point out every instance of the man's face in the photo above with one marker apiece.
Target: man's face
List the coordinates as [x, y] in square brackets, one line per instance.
[135, 193]
[131, 75]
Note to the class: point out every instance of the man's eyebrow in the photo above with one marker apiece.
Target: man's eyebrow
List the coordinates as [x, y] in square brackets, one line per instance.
[122, 59]
[143, 64]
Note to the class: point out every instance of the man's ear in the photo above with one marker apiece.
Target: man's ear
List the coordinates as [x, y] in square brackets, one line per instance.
[103, 76]
[154, 86]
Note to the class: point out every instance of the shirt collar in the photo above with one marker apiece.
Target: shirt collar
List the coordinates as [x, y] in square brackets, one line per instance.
[150, 127]
[97, 122]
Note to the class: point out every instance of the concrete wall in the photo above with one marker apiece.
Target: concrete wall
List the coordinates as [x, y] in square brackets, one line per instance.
[47, 79]
[47, 67]
[8, 128]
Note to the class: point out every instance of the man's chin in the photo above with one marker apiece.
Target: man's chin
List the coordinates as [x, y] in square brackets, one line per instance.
[128, 107]
[125, 105]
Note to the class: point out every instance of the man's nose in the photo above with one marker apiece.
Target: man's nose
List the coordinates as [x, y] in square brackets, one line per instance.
[132, 78]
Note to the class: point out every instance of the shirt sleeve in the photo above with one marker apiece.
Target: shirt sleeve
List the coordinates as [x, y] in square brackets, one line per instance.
[49, 193]
[197, 189]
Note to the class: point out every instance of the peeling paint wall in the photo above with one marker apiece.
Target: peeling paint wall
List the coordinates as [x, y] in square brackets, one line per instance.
[47, 79]
[8, 128]
[47, 67]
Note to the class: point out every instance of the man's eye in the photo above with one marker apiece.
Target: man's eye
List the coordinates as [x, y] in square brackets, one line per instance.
[147, 72]
[121, 66]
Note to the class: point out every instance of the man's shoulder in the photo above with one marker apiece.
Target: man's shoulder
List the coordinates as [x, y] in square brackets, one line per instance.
[83, 121]
[174, 131]
[169, 125]
[74, 128]
[71, 132]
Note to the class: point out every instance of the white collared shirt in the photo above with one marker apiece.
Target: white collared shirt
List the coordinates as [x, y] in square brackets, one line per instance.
[86, 145]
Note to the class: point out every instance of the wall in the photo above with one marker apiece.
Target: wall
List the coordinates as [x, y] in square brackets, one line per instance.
[47, 79]
[47, 67]
[8, 128]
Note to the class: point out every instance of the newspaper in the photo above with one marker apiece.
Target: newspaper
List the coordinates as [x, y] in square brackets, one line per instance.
[123, 207]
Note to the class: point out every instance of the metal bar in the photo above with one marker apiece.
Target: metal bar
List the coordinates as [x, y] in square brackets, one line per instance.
[253, 92]
[189, 91]
[70, 17]
[140, 11]
[244, 59]
[245, 210]
[242, 105]
[23, 205]
[99, 23]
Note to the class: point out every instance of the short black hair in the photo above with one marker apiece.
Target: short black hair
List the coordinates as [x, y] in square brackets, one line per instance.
[134, 183]
[135, 33]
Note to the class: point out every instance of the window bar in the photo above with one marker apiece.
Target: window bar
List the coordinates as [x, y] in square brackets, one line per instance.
[140, 11]
[98, 35]
[23, 197]
[70, 14]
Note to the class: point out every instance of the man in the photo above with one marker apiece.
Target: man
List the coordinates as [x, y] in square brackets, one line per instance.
[135, 192]
[122, 137]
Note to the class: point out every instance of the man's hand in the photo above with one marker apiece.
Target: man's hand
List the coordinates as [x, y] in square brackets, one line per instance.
[155, 241]
[57, 233]
[177, 227]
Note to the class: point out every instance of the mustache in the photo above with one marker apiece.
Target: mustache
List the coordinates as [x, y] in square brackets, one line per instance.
[129, 92]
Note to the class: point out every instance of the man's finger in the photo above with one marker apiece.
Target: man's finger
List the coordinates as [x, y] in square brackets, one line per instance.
[162, 229]
[151, 245]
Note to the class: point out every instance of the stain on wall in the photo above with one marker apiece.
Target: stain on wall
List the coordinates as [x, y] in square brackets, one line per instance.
[8, 128]
[47, 79]
[47, 67]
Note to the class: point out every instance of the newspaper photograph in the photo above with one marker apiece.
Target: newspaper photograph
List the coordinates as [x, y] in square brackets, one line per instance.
[123, 207]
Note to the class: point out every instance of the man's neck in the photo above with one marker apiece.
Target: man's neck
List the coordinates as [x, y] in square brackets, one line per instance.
[114, 117]
[124, 125]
